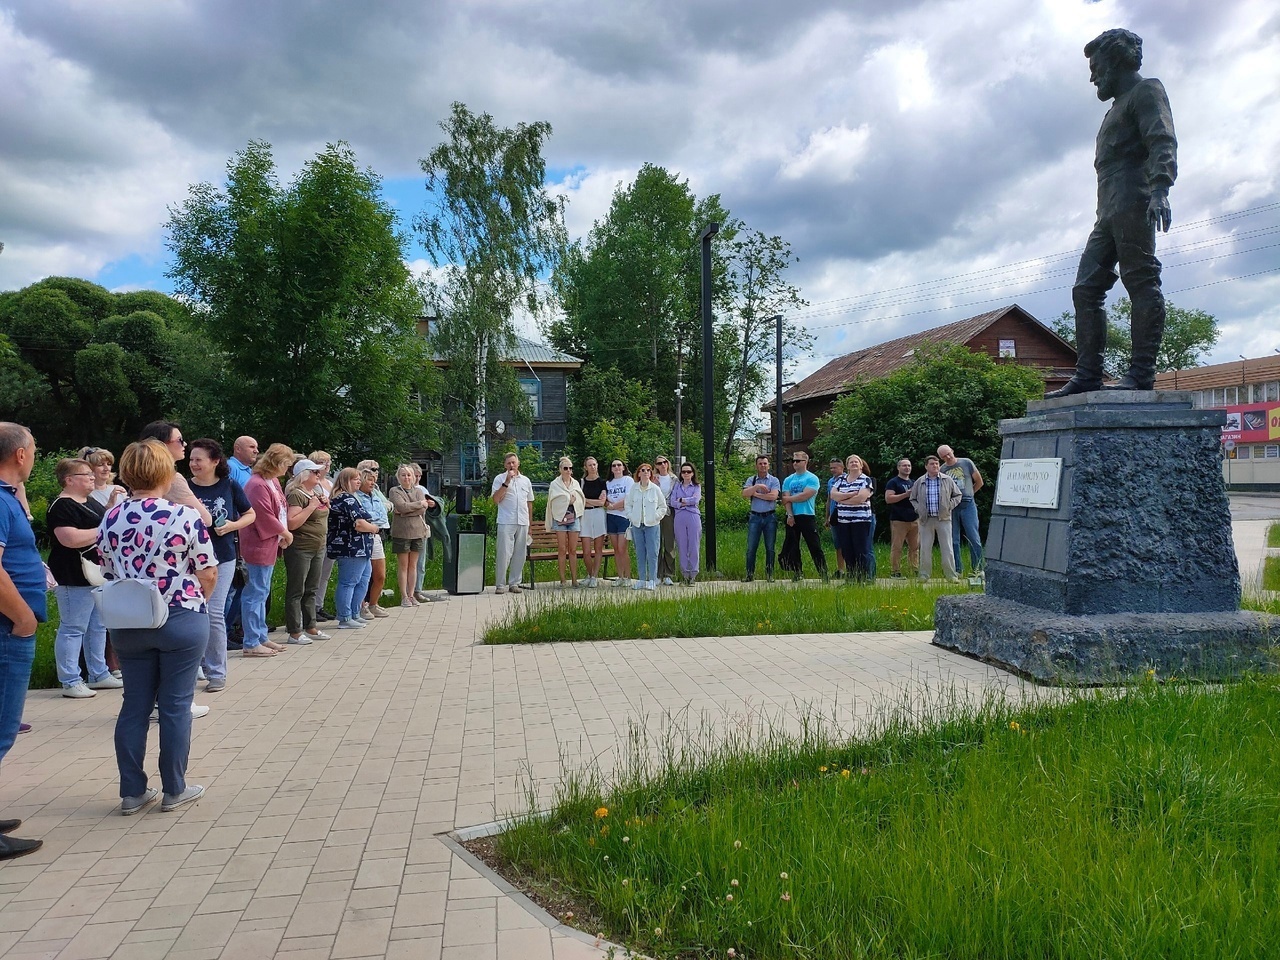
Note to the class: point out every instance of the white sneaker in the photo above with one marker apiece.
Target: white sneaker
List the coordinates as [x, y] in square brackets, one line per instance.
[198, 711]
[78, 691]
[106, 683]
[651, 585]
[621, 582]
[200, 677]
[667, 582]
[349, 625]
[637, 584]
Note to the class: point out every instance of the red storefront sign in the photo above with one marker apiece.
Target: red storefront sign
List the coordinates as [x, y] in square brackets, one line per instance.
[1252, 423]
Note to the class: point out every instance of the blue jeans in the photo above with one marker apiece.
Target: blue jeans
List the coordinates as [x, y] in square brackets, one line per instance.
[159, 668]
[214, 660]
[79, 628]
[233, 607]
[758, 524]
[422, 564]
[646, 540]
[253, 603]
[16, 656]
[964, 518]
[353, 584]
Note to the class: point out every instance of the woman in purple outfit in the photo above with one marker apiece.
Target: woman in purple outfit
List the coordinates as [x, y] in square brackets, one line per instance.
[686, 494]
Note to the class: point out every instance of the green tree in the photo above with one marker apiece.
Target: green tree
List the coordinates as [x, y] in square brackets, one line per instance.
[945, 395]
[760, 292]
[498, 234]
[86, 366]
[305, 292]
[632, 294]
[1188, 335]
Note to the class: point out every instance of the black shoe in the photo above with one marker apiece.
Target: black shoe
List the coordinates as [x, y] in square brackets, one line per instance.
[748, 578]
[8, 826]
[323, 615]
[1130, 382]
[1074, 386]
[234, 644]
[13, 847]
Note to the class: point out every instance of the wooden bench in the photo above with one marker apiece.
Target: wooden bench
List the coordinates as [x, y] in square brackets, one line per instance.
[543, 546]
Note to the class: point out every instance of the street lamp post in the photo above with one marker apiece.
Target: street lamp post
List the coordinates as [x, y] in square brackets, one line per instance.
[708, 398]
[777, 402]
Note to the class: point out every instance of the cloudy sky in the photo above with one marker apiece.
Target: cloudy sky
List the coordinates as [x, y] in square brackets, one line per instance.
[927, 160]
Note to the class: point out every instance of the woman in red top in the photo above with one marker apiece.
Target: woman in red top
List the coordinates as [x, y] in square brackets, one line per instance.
[260, 545]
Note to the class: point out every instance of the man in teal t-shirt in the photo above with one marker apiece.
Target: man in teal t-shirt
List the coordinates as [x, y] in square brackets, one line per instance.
[799, 494]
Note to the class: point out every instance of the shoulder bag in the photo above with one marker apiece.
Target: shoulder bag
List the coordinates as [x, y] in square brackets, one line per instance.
[131, 603]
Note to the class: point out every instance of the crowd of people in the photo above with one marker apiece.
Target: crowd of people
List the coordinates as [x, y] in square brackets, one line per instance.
[210, 546]
[657, 512]
[920, 511]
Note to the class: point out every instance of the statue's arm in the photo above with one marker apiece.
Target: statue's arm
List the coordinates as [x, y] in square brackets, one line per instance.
[1155, 123]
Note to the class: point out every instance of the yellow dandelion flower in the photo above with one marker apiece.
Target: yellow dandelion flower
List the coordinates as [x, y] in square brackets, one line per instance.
[822, 769]
[844, 773]
[602, 812]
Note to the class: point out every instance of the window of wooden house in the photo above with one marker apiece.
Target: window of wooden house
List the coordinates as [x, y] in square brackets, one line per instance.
[797, 426]
[532, 389]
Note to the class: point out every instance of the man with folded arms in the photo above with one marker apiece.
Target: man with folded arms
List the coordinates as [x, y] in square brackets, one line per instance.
[23, 604]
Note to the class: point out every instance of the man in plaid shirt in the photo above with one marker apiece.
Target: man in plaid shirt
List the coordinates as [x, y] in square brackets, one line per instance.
[934, 496]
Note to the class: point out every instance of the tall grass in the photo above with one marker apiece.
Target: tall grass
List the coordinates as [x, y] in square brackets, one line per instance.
[1139, 823]
[678, 612]
[1271, 573]
[1273, 535]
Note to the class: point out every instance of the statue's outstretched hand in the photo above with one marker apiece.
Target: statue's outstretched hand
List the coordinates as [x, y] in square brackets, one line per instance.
[1158, 212]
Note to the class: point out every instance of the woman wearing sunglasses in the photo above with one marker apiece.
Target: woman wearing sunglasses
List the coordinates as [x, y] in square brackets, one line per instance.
[565, 507]
[616, 490]
[686, 494]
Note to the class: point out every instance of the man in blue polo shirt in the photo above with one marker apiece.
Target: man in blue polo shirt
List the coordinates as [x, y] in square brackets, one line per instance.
[762, 491]
[799, 493]
[23, 604]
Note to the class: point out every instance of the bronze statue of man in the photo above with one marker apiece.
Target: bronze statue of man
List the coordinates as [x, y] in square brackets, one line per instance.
[1137, 162]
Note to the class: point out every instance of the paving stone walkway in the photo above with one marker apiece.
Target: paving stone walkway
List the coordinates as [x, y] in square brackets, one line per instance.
[333, 769]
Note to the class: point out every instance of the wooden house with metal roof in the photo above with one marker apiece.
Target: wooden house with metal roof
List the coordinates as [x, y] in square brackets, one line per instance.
[1010, 335]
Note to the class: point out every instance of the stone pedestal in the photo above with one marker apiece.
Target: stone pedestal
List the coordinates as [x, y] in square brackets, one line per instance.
[1134, 568]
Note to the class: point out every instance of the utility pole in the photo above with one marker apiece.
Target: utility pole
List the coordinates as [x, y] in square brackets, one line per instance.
[777, 405]
[708, 400]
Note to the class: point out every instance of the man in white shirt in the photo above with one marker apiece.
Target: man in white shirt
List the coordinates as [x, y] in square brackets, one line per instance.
[513, 494]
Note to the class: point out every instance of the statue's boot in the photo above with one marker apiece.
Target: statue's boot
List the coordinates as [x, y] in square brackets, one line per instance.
[1073, 386]
[1090, 340]
[1147, 331]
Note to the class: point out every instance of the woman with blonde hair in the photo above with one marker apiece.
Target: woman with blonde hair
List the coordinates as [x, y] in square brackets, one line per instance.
[148, 536]
[351, 532]
[105, 490]
[408, 530]
[645, 508]
[565, 507]
[378, 507]
[852, 496]
[260, 546]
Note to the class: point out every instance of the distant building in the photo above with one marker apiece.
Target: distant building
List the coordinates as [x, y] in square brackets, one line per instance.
[1010, 335]
[1249, 390]
[544, 374]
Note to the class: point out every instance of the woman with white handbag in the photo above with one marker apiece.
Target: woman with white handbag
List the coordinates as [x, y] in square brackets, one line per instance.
[166, 546]
[72, 522]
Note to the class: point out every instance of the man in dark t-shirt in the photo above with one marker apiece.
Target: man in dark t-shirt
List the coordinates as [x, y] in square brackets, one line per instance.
[902, 519]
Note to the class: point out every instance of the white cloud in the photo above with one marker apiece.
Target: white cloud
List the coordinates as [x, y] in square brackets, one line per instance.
[891, 144]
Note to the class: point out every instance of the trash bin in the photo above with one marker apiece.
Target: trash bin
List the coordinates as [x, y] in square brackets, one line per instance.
[464, 566]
